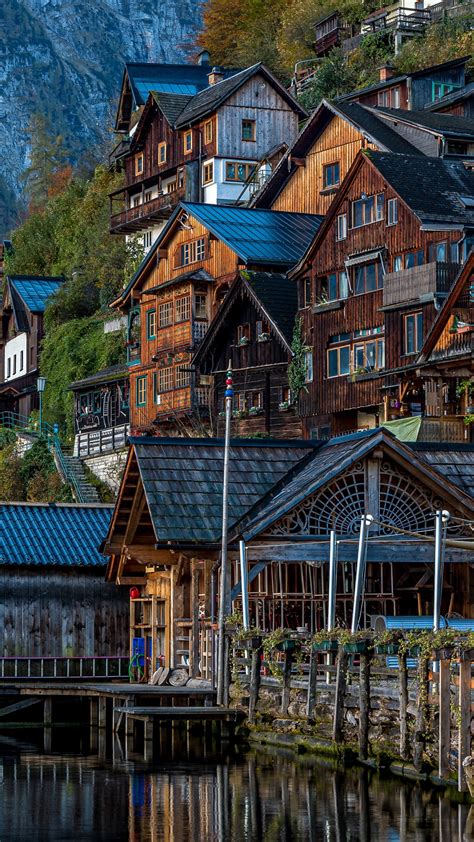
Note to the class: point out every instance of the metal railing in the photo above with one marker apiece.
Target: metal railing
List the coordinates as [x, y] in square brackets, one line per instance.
[75, 667]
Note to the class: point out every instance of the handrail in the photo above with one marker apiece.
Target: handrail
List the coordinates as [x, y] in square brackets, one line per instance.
[64, 469]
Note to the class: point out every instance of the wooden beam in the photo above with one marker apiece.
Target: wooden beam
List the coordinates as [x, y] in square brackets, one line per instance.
[131, 580]
[146, 554]
[25, 703]
[394, 551]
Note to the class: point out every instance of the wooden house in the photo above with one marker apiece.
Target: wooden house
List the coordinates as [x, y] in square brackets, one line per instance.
[435, 134]
[459, 102]
[54, 602]
[22, 330]
[209, 146]
[331, 31]
[372, 281]
[177, 290]
[101, 411]
[284, 499]
[253, 330]
[413, 91]
[444, 369]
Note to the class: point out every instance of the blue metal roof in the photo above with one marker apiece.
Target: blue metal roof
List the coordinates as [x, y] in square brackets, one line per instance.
[44, 534]
[34, 290]
[186, 79]
[259, 236]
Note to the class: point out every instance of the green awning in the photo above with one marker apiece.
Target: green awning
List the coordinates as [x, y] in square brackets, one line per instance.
[404, 429]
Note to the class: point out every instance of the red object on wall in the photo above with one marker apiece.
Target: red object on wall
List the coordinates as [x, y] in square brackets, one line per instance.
[134, 593]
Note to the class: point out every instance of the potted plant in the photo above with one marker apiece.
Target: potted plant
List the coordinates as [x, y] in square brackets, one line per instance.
[326, 641]
[388, 642]
[244, 340]
[357, 643]
[239, 413]
[284, 406]
[444, 642]
[263, 337]
[255, 410]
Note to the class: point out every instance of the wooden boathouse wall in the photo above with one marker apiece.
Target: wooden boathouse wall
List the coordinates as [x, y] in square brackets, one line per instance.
[53, 612]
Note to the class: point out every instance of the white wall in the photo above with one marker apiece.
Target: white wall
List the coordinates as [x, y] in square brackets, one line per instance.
[14, 349]
[221, 191]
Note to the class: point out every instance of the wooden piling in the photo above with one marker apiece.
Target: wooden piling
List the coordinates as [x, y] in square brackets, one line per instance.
[444, 732]
[364, 705]
[403, 700]
[48, 712]
[226, 680]
[94, 713]
[285, 693]
[312, 688]
[254, 683]
[464, 737]
[102, 711]
[419, 737]
[338, 719]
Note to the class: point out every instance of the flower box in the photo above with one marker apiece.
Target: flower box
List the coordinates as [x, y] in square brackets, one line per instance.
[387, 649]
[326, 646]
[243, 341]
[288, 645]
[284, 406]
[264, 337]
[359, 647]
[255, 410]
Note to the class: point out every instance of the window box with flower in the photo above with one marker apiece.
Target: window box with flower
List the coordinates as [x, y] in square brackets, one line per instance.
[256, 410]
[263, 337]
[243, 340]
[284, 406]
[240, 413]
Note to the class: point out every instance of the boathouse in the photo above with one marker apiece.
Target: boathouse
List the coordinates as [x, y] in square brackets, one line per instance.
[54, 602]
[285, 497]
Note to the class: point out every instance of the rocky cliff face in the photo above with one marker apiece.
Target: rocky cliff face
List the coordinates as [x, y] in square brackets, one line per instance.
[65, 58]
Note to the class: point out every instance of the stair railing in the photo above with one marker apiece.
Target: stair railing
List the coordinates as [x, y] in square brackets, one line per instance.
[67, 474]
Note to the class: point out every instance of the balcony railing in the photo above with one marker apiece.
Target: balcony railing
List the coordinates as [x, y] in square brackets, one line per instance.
[412, 284]
[405, 19]
[454, 345]
[146, 214]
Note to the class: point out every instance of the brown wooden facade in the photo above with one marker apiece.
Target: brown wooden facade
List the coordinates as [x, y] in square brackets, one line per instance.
[345, 319]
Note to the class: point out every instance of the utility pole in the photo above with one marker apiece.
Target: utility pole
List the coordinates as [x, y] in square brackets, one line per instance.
[224, 590]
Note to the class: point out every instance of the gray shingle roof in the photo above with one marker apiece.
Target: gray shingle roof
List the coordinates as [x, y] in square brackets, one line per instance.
[171, 104]
[114, 372]
[454, 461]
[278, 297]
[447, 124]
[455, 96]
[182, 480]
[382, 134]
[431, 187]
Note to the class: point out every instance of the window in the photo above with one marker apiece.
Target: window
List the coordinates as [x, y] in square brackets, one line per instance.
[165, 314]
[147, 238]
[338, 361]
[170, 187]
[162, 153]
[413, 332]
[21, 361]
[200, 306]
[308, 366]
[136, 201]
[367, 209]
[208, 133]
[439, 89]
[182, 309]
[261, 329]
[331, 175]
[368, 278]
[438, 251]
[165, 380]
[182, 378]
[308, 292]
[188, 142]
[285, 394]
[369, 356]
[383, 98]
[151, 324]
[392, 211]
[141, 391]
[9, 366]
[395, 99]
[243, 334]
[139, 164]
[408, 260]
[389, 98]
[334, 287]
[342, 226]
[236, 171]
[148, 195]
[248, 130]
[191, 252]
[14, 363]
[208, 173]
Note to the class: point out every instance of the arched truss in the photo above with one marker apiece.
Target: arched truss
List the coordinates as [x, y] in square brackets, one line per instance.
[339, 505]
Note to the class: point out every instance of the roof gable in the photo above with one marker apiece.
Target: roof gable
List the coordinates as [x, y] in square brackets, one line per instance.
[63, 534]
[34, 290]
[450, 125]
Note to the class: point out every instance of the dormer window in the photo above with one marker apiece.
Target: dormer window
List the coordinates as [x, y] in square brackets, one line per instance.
[191, 252]
[139, 164]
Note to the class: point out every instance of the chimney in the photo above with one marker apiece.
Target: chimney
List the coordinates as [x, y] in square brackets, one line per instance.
[216, 75]
[203, 57]
[385, 72]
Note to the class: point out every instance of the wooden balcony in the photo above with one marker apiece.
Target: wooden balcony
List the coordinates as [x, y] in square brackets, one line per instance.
[447, 428]
[418, 282]
[399, 19]
[454, 345]
[146, 215]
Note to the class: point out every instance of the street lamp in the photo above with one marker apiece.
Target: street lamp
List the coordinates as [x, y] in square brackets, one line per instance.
[40, 387]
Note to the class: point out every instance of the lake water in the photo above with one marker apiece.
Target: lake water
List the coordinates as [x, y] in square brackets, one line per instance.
[73, 789]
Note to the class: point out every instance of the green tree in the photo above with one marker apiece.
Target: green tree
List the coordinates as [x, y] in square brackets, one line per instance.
[47, 158]
[11, 483]
[334, 77]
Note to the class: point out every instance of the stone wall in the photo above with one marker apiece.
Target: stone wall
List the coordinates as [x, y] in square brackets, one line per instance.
[108, 467]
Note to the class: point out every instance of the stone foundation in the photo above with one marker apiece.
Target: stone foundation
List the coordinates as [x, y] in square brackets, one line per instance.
[108, 467]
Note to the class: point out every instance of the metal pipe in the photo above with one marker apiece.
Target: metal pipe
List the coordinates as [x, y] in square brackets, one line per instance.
[224, 591]
[441, 522]
[244, 579]
[332, 580]
[365, 522]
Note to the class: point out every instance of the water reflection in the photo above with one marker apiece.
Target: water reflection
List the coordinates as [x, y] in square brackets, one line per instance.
[193, 792]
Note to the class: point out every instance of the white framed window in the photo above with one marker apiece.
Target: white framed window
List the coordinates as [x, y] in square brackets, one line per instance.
[395, 97]
[191, 252]
[147, 239]
[165, 314]
[200, 306]
[182, 309]
[165, 379]
[208, 173]
[182, 378]
[392, 211]
[342, 226]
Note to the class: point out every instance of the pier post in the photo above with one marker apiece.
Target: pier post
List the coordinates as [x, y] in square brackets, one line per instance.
[254, 683]
[94, 713]
[364, 704]
[338, 719]
[312, 682]
[403, 700]
[420, 720]
[102, 711]
[464, 740]
[444, 734]
[285, 693]
[48, 712]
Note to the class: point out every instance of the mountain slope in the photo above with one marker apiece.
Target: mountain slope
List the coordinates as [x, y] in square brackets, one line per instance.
[65, 58]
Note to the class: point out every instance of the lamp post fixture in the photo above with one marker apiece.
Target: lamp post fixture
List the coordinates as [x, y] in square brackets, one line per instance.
[40, 387]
